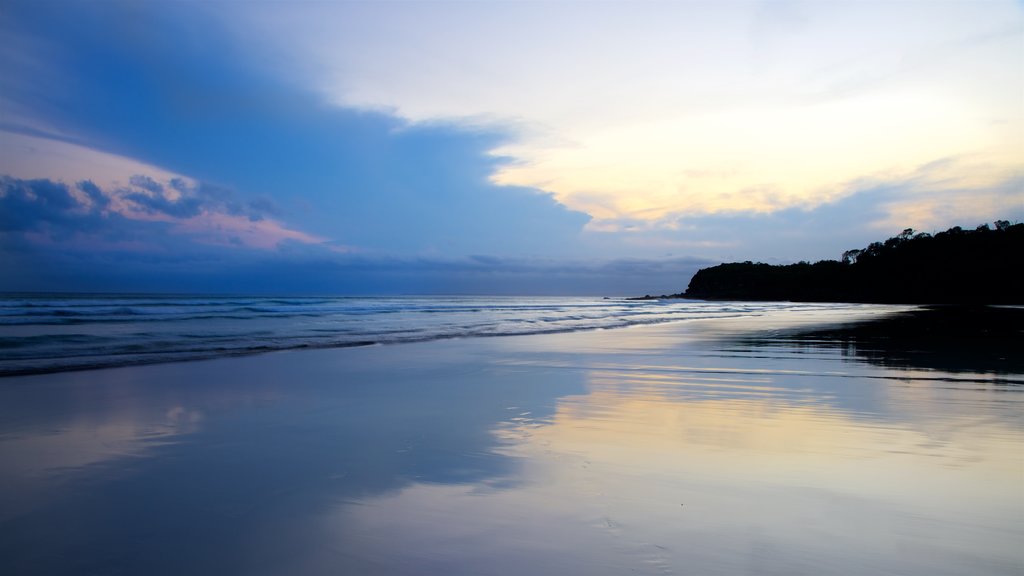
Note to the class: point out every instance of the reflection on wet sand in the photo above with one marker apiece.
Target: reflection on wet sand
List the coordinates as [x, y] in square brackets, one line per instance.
[984, 340]
[652, 451]
[659, 474]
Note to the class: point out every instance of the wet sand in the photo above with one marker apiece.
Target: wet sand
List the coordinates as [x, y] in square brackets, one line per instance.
[954, 338]
[753, 446]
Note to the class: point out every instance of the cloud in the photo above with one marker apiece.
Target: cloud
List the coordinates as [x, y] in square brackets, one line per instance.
[96, 196]
[150, 185]
[433, 148]
[55, 241]
[83, 236]
[932, 197]
[30, 205]
[200, 108]
[85, 217]
[158, 203]
[49, 156]
[620, 105]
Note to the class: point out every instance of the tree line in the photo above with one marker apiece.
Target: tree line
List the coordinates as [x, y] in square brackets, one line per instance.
[957, 266]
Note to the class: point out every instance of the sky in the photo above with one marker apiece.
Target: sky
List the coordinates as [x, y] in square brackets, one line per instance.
[491, 147]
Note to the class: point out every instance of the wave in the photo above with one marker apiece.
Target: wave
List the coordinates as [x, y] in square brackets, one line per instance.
[43, 334]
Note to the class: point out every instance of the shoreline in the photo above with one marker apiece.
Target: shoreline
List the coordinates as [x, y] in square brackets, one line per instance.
[66, 364]
[919, 327]
[689, 445]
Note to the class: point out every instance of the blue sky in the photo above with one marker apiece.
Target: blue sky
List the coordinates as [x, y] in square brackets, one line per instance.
[491, 147]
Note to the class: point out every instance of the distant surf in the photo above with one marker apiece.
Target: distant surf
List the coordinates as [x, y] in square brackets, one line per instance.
[54, 333]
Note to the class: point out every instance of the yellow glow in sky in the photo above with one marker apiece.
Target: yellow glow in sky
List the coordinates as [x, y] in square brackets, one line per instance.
[758, 159]
[641, 113]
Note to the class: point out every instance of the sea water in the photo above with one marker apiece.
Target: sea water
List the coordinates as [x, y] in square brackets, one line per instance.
[56, 332]
[742, 444]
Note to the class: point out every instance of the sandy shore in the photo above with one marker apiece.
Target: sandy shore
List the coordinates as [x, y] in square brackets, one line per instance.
[713, 448]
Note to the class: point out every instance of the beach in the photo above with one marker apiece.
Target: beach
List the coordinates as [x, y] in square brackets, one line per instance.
[725, 445]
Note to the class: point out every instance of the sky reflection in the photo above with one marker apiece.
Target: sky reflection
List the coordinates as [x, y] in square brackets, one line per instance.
[659, 473]
[569, 454]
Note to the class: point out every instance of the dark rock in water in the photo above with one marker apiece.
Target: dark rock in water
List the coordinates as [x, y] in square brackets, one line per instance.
[662, 297]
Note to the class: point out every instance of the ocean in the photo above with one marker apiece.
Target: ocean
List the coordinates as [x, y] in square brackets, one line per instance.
[42, 333]
[714, 438]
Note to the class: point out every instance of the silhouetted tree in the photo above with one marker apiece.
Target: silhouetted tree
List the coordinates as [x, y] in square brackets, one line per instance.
[952, 266]
[850, 256]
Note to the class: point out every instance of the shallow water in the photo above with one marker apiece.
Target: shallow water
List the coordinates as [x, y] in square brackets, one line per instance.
[42, 333]
[687, 448]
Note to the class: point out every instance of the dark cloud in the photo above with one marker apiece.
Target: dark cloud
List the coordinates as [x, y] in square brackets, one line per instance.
[146, 183]
[26, 205]
[175, 263]
[180, 185]
[258, 148]
[206, 110]
[51, 209]
[48, 210]
[99, 200]
[158, 203]
[48, 206]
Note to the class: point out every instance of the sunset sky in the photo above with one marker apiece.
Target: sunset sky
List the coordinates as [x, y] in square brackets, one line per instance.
[536, 147]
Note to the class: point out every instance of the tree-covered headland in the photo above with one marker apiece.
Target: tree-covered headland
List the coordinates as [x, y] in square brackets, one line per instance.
[980, 266]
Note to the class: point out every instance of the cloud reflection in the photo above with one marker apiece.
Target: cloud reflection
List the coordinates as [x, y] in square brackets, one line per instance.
[551, 454]
[658, 472]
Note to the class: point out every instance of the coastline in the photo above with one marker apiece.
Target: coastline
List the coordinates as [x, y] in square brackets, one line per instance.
[46, 334]
[709, 445]
[989, 334]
